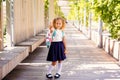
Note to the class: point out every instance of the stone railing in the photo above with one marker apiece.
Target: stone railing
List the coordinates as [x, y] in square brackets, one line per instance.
[111, 46]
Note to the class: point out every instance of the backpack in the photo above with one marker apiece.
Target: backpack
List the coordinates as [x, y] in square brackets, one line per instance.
[49, 37]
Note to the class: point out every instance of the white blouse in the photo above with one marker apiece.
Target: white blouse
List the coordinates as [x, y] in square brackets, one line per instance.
[58, 36]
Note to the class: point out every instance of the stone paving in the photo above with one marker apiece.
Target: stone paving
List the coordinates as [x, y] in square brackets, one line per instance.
[84, 62]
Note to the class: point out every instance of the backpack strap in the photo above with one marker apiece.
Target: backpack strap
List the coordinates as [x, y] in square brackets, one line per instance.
[63, 33]
[54, 33]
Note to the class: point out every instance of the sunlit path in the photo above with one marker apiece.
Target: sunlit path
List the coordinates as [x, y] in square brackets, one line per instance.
[84, 62]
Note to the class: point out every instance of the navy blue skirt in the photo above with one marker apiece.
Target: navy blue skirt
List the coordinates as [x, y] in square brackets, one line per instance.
[56, 52]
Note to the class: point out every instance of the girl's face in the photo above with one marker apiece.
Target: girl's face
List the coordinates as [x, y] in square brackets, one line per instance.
[58, 24]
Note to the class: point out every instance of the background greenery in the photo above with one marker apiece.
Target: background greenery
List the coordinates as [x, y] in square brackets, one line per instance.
[107, 10]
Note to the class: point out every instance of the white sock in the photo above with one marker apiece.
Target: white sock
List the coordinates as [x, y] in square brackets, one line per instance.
[59, 68]
[50, 69]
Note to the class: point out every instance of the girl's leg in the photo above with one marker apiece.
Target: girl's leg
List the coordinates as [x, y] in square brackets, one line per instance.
[59, 67]
[51, 67]
[49, 74]
[57, 75]
[54, 63]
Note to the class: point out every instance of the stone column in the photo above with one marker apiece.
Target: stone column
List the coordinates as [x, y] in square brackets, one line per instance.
[34, 16]
[42, 14]
[85, 17]
[90, 22]
[51, 10]
[119, 53]
[1, 29]
[100, 33]
[9, 23]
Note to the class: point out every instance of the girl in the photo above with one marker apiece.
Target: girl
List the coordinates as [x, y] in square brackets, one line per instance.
[57, 51]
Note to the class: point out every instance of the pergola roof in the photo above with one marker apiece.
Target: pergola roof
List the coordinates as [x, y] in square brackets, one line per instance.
[64, 5]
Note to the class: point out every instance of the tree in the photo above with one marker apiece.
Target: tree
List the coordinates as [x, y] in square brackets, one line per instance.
[109, 11]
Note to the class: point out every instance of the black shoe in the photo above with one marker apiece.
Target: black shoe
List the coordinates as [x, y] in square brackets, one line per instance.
[49, 76]
[57, 75]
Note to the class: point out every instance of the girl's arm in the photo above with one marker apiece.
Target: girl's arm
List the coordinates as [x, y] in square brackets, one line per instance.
[64, 42]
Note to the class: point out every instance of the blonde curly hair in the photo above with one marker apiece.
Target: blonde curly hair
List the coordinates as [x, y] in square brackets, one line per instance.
[63, 22]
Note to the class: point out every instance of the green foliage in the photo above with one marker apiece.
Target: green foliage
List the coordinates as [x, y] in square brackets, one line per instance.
[4, 31]
[77, 10]
[109, 11]
[0, 3]
[46, 6]
[58, 11]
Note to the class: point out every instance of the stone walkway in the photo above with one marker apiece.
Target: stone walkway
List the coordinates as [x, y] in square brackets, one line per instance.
[84, 62]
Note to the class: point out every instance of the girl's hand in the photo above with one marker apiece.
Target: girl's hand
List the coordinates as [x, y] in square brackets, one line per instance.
[65, 51]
